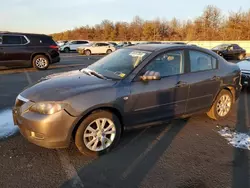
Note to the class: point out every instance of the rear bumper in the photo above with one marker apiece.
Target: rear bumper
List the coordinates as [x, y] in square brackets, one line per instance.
[56, 60]
[49, 131]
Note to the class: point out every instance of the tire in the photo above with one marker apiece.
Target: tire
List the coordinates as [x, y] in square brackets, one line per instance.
[241, 57]
[40, 62]
[109, 51]
[66, 50]
[95, 138]
[87, 52]
[217, 114]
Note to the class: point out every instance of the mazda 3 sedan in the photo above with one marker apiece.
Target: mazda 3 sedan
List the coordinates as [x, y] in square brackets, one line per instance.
[132, 87]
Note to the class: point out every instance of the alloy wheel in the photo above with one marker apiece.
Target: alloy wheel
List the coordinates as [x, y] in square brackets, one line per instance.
[99, 134]
[223, 105]
[41, 63]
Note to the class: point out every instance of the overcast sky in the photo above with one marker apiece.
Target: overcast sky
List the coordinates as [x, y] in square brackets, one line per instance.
[49, 16]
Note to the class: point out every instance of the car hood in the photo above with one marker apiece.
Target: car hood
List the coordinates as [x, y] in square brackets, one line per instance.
[244, 66]
[59, 87]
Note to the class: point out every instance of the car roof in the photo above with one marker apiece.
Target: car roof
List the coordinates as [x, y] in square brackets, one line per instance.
[20, 33]
[155, 47]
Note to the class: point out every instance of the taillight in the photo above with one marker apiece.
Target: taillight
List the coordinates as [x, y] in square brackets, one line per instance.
[54, 47]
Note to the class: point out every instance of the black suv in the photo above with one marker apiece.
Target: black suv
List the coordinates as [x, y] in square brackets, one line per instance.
[27, 50]
[230, 51]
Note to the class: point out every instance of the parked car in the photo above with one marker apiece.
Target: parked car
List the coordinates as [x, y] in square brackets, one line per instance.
[96, 48]
[132, 87]
[245, 70]
[61, 42]
[27, 50]
[73, 45]
[230, 51]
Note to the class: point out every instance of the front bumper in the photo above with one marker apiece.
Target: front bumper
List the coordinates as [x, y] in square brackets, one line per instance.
[245, 79]
[49, 131]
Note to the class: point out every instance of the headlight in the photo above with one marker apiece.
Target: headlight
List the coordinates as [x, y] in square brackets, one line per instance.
[48, 107]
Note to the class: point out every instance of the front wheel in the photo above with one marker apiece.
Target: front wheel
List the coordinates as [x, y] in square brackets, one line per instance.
[87, 52]
[98, 133]
[221, 106]
[40, 62]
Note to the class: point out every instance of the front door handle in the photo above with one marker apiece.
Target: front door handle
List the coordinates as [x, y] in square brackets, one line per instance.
[181, 84]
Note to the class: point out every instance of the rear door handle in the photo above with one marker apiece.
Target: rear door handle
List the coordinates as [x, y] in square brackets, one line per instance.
[181, 84]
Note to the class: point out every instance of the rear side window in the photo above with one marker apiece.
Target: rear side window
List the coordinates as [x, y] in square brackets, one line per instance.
[200, 61]
[82, 42]
[13, 40]
[236, 47]
[47, 40]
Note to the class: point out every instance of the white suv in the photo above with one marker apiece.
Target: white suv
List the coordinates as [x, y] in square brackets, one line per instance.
[73, 45]
[96, 48]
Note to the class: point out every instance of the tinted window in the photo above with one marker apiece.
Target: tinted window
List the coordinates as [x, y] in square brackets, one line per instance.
[236, 47]
[11, 39]
[168, 64]
[46, 40]
[201, 61]
[82, 42]
[104, 44]
[73, 42]
[1, 40]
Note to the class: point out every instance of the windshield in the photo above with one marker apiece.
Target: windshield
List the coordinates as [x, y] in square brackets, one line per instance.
[221, 47]
[120, 63]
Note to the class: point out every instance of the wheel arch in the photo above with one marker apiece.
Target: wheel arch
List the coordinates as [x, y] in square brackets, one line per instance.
[94, 110]
[40, 53]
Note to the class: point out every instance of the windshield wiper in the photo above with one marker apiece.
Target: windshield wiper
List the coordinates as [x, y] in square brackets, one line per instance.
[91, 72]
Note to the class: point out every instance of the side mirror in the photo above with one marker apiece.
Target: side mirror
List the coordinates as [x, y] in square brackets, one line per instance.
[150, 75]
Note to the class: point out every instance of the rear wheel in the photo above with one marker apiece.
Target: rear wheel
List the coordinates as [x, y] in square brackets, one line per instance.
[66, 50]
[98, 133]
[109, 51]
[40, 62]
[221, 106]
[87, 52]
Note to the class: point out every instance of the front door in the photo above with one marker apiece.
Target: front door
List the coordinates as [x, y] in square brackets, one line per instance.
[203, 80]
[159, 99]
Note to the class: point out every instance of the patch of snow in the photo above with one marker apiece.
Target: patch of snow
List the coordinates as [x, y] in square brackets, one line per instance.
[236, 139]
[62, 74]
[7, 127]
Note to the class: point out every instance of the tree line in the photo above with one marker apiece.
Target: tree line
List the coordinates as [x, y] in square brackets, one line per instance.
[211, 25]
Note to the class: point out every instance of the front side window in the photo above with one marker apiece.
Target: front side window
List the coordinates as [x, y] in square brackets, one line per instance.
[1, 40]
[12, 40]
[168, 64]
[200, 61]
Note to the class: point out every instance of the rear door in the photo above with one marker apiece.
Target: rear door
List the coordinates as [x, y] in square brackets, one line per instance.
[103, 48]
[203, 80]
[15, 50]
